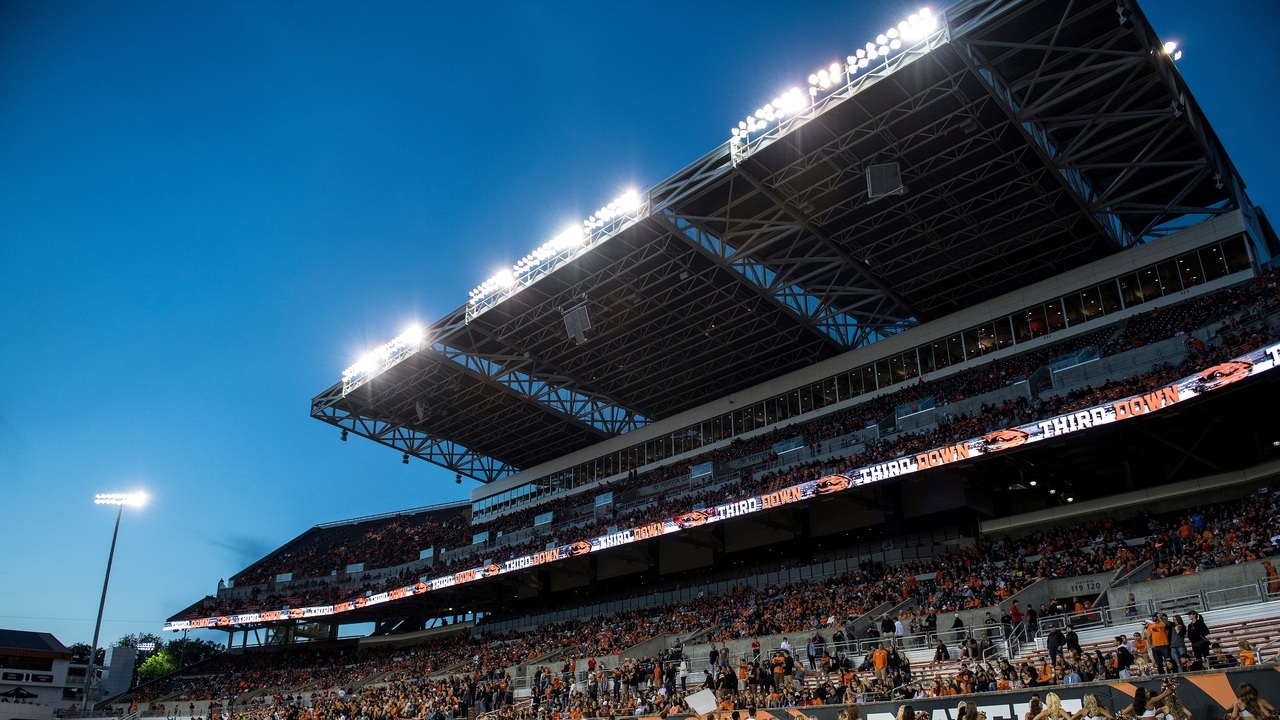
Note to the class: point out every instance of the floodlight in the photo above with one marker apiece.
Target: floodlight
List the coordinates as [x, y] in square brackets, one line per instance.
[863, 62]
[883, 50]
[892, 33]
[881, 39]
[813, 79]
[834, 69]
[1177, 55]
[1170, 46]
[629, 201]
[136, 499]
[861, 53]
[894, 44]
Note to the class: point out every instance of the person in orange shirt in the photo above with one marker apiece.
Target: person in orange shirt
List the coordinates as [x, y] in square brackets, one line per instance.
[1248, 656]
[880, 662]
[1273, 578]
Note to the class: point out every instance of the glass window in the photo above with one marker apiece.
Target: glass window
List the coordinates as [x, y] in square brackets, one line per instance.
[1073, 303]
[884, 375]
[1036, 321]
[1053, 313]
[825, 393]
[770, 413]
[910, 368]
[955, 348]
[1090, 304]
[896, 370]
[1212, 262]
[925, 354]
[844, 387]
[941, 358]
[1109, 291]
[869, 378]
[971, 343]
[1149, 283]
[1131, 290]
[1022, 325]
[1189, 269]
[1236, 254]
[787, 405]
[1170, 280]
[1004, 332]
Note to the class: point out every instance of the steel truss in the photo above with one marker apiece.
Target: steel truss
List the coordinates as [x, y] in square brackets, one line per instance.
[1107, 109]
[1033, 136]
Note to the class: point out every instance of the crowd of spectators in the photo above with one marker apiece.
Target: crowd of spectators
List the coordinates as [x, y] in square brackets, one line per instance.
[927, 594]
[398, 540]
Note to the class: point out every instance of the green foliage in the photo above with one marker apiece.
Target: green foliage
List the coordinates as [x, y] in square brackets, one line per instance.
[157, 665]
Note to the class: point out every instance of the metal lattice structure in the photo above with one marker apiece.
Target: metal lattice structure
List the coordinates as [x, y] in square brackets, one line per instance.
[1033, 136]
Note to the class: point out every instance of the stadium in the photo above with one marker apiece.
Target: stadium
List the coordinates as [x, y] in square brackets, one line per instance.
[964, 342]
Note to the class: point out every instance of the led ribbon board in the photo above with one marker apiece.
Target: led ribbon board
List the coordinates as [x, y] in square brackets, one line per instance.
[1158, 399]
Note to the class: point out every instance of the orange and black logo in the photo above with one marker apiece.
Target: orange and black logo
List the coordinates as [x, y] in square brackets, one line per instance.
[490, 570]
[222, 621]
[832, 484]
[1224, 374]
[420, 588]
[582, 547]
[1003, 439]
[360, 602]
[297, 613]
[692, 519]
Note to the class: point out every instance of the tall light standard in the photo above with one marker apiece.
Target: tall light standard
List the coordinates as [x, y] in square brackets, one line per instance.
[119, 500]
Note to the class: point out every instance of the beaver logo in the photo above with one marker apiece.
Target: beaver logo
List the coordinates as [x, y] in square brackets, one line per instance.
[490, 570]
[692, 519]
[297, 613]
[832, 484]
[360, 602]
[582, 547]
[1224, 374]
[1003, 439]
[222, 621]
[420, 588]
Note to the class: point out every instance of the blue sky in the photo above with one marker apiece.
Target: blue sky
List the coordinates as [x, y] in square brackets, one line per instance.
[207, 210]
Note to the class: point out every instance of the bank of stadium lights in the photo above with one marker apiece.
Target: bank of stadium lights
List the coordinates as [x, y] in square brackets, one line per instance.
[136, 499]
[1171, 49]
[382, 357]
[837, 75]
[560, 248]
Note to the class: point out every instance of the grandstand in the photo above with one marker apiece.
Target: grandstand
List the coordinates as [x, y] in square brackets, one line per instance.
[769, 396]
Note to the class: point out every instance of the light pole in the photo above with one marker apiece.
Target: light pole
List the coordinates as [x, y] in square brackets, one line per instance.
[119, 500]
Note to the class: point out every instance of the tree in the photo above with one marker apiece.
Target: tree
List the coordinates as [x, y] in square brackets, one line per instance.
[134, 640]
[192, 651]
[80, 654]
[158, 665]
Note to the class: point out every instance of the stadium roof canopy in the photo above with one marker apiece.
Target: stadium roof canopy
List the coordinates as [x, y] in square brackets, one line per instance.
[1032, 136]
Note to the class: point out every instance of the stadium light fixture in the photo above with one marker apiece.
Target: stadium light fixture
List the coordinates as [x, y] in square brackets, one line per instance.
[1171, 49]
[135, 499]
[836, 76]
[381, 358]
[560, 249]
